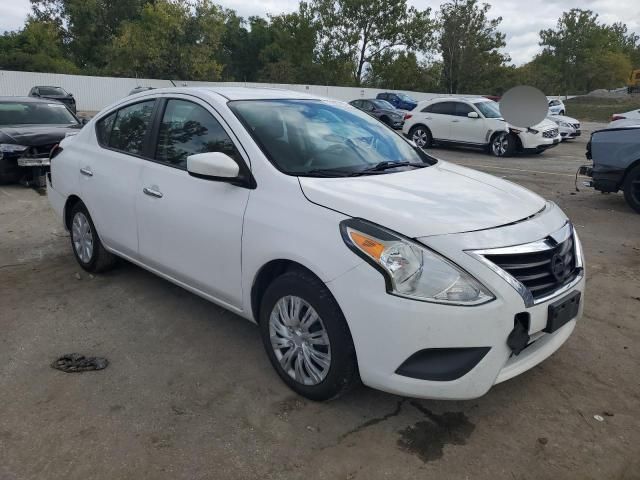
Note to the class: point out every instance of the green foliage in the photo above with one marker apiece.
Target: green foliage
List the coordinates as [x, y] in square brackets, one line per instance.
[379, 43]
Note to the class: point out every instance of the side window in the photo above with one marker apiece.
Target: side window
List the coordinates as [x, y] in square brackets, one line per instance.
[367, 106]
[357, 103]
[444, 108]
[428, 108]
[130, 127]
[187, 129]
[103, 129]
[462, 109]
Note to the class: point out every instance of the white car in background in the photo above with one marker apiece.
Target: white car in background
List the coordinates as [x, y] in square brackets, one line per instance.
[475, 122]
[358, 255]
[556, 107]
[568, 127]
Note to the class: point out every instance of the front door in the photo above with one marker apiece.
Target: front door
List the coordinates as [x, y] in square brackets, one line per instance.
[465, 129]
[191, 228]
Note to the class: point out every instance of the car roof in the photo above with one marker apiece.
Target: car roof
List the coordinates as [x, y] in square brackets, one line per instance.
[26, 100]
[456, 99]
[241, 93]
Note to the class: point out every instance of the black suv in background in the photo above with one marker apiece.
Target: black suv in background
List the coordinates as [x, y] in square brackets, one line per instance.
[54, 93]
[382, 110]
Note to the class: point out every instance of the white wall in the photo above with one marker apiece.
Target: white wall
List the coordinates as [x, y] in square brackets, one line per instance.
[94, 93]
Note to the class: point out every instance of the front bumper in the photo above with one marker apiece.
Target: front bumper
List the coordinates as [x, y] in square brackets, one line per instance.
[387, 330]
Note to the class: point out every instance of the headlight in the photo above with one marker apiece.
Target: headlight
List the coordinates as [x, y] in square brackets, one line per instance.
[410, 269]
[564, 124]
[11, 148]
[533, 130]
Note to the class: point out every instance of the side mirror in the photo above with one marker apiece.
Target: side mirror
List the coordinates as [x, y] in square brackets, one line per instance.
[473, 115]
[84, 121]
[71, 94]
[213, 166]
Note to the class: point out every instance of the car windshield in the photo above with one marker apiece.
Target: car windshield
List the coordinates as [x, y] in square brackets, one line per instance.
[323, 138]
[35, 113]
[51, 91]
[406, 98]
[489, 109]
[383, 104]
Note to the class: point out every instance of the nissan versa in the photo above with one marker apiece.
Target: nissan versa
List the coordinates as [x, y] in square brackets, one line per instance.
[357, 254]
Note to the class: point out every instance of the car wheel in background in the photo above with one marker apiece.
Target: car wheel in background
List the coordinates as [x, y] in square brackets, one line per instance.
[86, 245]
[306, 336]
[421, 136]
[561, 112]
[8, 173]
[632, 188]
[502, 145]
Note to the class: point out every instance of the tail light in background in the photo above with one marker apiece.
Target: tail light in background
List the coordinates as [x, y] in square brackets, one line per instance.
[407, 116]
[617, 117]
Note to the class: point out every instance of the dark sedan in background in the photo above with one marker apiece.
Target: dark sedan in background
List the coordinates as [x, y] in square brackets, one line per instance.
[29, 129]
[54, 93]
[382, 110]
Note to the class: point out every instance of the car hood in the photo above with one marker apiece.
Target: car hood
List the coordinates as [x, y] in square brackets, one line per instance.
[545, 124]
[563, 118]
[34, 135]
[436, 200]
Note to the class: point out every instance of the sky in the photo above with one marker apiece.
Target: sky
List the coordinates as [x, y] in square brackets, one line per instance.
[521, 19]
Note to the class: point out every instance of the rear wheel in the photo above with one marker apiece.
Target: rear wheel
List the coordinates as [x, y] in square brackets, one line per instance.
[421, 136]
[306, 336]
[502, 145]
[632, 188]
[86, 244]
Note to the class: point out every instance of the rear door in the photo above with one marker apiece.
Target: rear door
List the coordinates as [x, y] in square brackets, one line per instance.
[438, 117]
[191, 228]
[109, 175]
[465, 129]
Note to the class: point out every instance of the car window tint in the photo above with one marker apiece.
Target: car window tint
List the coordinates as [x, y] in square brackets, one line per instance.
[130, 127]
[357, 103]
[104, 127]
[187, 129]
[444, 108]
[462, 109]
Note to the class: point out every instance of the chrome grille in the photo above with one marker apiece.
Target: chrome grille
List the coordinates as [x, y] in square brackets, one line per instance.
[550, 133]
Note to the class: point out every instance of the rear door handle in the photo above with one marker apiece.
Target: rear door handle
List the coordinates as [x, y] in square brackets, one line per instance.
[455, 121]
[86, 171]
[152, 192]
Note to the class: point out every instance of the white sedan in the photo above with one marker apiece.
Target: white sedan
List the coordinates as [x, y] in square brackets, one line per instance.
[357, 254]
[568, 127]
[475, 122]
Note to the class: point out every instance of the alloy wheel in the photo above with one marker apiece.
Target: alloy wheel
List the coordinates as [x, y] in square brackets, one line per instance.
[82, 237]
[420, 137]
[500, 145]
[299, 340]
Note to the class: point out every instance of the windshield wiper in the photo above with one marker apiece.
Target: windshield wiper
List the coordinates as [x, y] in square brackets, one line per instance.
[323, 172]
[387, 165]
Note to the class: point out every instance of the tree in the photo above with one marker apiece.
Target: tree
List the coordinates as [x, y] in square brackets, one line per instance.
[403, 71]
[38, 47]
[359, 31]
[470, 45]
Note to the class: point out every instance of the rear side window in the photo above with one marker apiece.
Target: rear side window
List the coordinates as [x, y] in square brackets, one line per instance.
[444, 108]
[130, 127]
[187, 129]
[103, 129]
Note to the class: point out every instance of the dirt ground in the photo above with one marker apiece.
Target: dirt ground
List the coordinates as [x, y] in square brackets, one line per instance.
[190, 394]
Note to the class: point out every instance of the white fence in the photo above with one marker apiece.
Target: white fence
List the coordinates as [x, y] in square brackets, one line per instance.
[94, 93]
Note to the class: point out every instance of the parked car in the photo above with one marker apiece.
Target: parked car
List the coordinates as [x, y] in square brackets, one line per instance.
[556, 107]
[630, 115]
[29, 128]
[401, 101]
[475, 122]
[382, 110]
[356, 253]
[568, 127]
[54, 93]
[140, 89]
[615, 153]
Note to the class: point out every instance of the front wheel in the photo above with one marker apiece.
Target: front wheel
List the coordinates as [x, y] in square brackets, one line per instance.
[306, 337]
[421, 136]
[632, 188]
[86, 245]
[503, 145]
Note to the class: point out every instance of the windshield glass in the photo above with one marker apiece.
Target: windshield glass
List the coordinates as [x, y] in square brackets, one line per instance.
[35, 113]
[307, 137]
[406, 98]
[489, 109]
[51, 91]
[383, 104]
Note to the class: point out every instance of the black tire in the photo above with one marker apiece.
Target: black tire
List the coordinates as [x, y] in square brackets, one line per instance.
[9, 173]
[503, 144]
[343, 368]
[561, 112]
[421, 136]
[632, 188]
[100, 259]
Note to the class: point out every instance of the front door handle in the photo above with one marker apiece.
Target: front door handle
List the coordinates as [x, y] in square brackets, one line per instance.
[455, 121]
[86, 171]
[152, 192]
